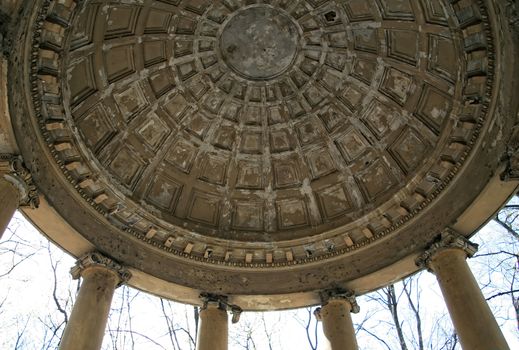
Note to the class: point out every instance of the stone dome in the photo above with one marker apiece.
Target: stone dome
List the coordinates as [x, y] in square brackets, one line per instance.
[263, 150]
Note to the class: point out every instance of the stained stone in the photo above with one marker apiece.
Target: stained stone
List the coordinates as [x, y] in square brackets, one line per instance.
[262, 149]
[259, 42]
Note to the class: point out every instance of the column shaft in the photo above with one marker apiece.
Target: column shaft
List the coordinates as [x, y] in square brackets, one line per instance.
[9, 200]
[469, 311]
[338, 325]
[87, 323]
[213, 329]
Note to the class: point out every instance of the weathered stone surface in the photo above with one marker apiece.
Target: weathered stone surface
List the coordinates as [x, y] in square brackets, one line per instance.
[175, 117]
[223, 135]
[259, 43]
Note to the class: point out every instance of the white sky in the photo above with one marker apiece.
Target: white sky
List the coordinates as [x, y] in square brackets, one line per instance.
[28, 291]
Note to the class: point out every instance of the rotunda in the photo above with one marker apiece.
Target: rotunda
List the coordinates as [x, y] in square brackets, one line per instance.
[261, 155]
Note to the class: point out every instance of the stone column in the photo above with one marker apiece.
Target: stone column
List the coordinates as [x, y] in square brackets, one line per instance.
[213, 328]
[469, 311]
[9, 199]
[335, 315]
[86, 325]
[16, 189]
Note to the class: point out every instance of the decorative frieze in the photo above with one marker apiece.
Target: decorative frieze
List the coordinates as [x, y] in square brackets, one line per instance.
[449, 239]
[13, 170]
[95, 259]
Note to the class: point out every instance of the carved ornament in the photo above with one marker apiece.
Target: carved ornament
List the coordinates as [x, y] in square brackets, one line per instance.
[15, 172]
[221, 302]
[449, 239]
[338, 294]
[95, 259]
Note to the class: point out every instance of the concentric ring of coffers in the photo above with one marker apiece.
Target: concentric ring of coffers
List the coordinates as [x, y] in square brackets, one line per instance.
[365, 121]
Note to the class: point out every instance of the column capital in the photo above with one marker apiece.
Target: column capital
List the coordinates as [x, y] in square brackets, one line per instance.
[449, 239]
[96, 259]
[338, 294]
[13, 170]
[215, 301]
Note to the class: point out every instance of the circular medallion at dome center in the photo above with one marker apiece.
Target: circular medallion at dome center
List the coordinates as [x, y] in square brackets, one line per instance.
[259, 43]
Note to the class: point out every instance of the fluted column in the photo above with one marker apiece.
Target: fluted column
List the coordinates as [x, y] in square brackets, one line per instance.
[16, 189]
[86, 326]
[472, 318]
[213, 328]
[335, 315]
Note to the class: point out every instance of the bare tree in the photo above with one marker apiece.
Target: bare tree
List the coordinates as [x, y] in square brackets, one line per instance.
[397, 317]
[306, 318]
[174, 327]
[413, 300]
[508, 218]
[15, 248]
[405, 326]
